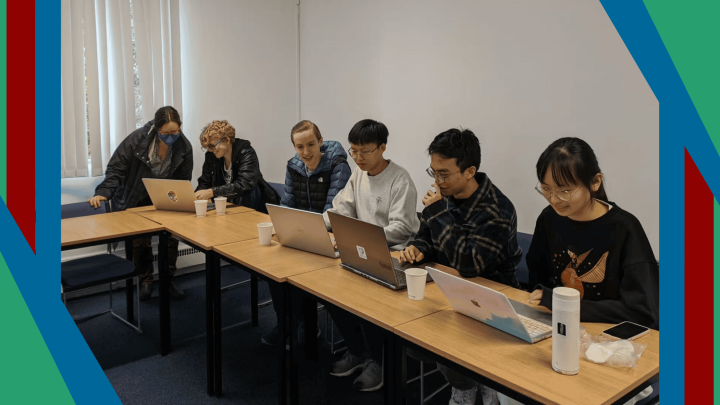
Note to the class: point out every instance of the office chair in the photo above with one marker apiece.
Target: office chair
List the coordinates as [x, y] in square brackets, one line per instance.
[87, 272]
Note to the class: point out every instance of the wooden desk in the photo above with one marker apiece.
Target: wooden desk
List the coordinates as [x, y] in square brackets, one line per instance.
[207, 232]
[103, 228]
[123, 226]
[163, 217]
[367, 299]
[509, 363]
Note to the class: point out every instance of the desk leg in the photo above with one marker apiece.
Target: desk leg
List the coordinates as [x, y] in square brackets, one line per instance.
[209, 318]
[400, 376]
[254, 298]
[389, 367]
[295, 300]
[217, 323]
[282, 354]
[129, 288]
[164, 294]
[309, 308]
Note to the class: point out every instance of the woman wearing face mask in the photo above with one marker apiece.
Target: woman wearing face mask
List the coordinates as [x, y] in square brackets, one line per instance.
[232, 169]
[158, 150]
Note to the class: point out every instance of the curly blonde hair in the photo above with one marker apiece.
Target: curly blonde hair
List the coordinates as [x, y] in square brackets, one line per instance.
[217, 128]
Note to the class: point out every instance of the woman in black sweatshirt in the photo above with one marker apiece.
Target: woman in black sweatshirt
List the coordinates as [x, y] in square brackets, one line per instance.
[586, 242]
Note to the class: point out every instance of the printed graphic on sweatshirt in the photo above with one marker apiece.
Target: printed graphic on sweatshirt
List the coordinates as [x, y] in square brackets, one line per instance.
[590, 273]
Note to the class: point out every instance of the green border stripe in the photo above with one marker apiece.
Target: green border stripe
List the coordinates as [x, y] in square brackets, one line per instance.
[28, 372]
[3, 100]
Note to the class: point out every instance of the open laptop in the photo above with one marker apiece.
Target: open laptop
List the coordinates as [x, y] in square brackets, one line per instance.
[302, 230]
[172, 195]
[493, 308]
[364, 251]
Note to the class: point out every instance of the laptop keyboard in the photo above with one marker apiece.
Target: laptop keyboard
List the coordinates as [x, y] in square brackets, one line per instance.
[399, 272]
[535, 328]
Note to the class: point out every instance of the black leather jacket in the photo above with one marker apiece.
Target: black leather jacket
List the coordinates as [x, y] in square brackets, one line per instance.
[247, 185]
[123, 184]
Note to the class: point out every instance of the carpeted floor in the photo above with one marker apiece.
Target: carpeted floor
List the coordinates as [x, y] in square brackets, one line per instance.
[140, 376]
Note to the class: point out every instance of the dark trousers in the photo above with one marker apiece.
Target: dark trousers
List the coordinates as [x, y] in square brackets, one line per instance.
[363, 338]
[143, 257]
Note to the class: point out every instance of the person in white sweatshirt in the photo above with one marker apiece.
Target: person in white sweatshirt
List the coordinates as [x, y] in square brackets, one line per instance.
[382, 193]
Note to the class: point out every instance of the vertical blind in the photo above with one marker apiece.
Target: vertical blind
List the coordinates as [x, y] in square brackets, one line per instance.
[120, 62]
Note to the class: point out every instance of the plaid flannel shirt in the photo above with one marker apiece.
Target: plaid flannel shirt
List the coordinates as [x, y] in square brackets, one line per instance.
[478, 238]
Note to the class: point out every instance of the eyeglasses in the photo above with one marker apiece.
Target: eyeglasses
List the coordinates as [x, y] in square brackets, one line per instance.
[440, 178]
[211, 148]
[564, 195]
[355, 154]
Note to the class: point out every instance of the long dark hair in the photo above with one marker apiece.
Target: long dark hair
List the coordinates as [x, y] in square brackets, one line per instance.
[571, 161]
[164, 115]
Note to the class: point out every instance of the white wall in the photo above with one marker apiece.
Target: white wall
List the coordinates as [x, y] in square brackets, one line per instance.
[239, 64]
[520, 74]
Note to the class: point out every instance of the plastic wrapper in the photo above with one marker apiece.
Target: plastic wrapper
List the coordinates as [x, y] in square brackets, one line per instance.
[609, 352]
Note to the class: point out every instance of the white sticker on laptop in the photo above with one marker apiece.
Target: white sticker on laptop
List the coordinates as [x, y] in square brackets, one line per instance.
[361, 252]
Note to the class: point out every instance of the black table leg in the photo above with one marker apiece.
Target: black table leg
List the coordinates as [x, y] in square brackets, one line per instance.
[129, 288]
[282, 354]
[295, 300]
[309, 308]
[254, 298]
[217, 322]
[209, 319]
[389, 367]
[400, 376]
[164, 294]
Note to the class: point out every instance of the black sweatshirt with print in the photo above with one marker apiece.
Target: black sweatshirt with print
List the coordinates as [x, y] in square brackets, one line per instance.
[609, 260]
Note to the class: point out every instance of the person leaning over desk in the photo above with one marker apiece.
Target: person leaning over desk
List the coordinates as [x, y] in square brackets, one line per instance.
[158, 150]
[232, 169]
[467, 224]
[584, 241]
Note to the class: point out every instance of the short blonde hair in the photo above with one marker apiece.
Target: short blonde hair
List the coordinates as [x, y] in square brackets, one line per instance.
[217, 128]
[303, 126]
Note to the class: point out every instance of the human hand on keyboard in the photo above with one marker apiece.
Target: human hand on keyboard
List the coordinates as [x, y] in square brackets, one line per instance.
[535, 297]
[411, 254]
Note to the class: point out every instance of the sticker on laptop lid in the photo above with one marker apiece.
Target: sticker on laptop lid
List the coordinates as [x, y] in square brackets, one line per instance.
[361, 252]
[172, 196]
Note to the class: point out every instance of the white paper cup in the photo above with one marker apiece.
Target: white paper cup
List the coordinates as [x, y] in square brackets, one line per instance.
[416, 283]
[200, 207]
[265, 230]
[220, 205]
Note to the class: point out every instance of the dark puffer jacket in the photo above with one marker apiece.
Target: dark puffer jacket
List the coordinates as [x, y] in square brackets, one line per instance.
[316, 192]
[247, 185]
[123, 184]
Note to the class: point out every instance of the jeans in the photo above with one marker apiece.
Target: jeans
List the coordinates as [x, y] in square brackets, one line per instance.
[143, 257]
[363, 338]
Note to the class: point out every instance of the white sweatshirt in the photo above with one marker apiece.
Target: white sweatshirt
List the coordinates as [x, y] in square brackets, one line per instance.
[387, 200]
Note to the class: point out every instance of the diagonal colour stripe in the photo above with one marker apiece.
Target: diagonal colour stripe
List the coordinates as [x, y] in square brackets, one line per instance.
[21, 90]
[699, 203]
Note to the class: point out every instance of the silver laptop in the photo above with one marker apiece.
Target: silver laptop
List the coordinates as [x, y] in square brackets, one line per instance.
[493, 308]
[302, 230]
[171, 195]
[364, 251]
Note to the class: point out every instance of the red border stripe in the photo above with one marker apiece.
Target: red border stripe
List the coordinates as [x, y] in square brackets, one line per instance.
[699, 207]
[21, 116]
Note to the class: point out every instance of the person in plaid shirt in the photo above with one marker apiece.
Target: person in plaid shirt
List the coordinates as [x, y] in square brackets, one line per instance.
[467, 224]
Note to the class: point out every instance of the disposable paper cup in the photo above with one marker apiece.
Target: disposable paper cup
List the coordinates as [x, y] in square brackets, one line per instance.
[416, 283]
[265, 231]
[220, 204]
[200, 207]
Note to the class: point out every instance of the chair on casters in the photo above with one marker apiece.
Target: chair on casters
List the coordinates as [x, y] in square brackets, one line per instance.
[88, 272]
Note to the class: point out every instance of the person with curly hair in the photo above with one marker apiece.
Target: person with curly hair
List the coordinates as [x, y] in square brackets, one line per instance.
[232, 169]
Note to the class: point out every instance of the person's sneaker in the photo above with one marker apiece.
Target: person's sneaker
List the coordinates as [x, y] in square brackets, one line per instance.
[371, 378]
[347, 365]
[270, 338]
[466, 397]
[145, 291]
[489, 396]
[175, 292]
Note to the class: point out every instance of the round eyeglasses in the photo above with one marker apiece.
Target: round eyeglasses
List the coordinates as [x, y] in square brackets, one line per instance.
[564, 195]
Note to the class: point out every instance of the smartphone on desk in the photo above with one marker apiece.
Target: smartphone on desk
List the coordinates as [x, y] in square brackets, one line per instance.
[626, 330]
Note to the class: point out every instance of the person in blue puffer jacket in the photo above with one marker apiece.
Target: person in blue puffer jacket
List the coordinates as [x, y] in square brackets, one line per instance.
[314, 176]
[317, 172]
